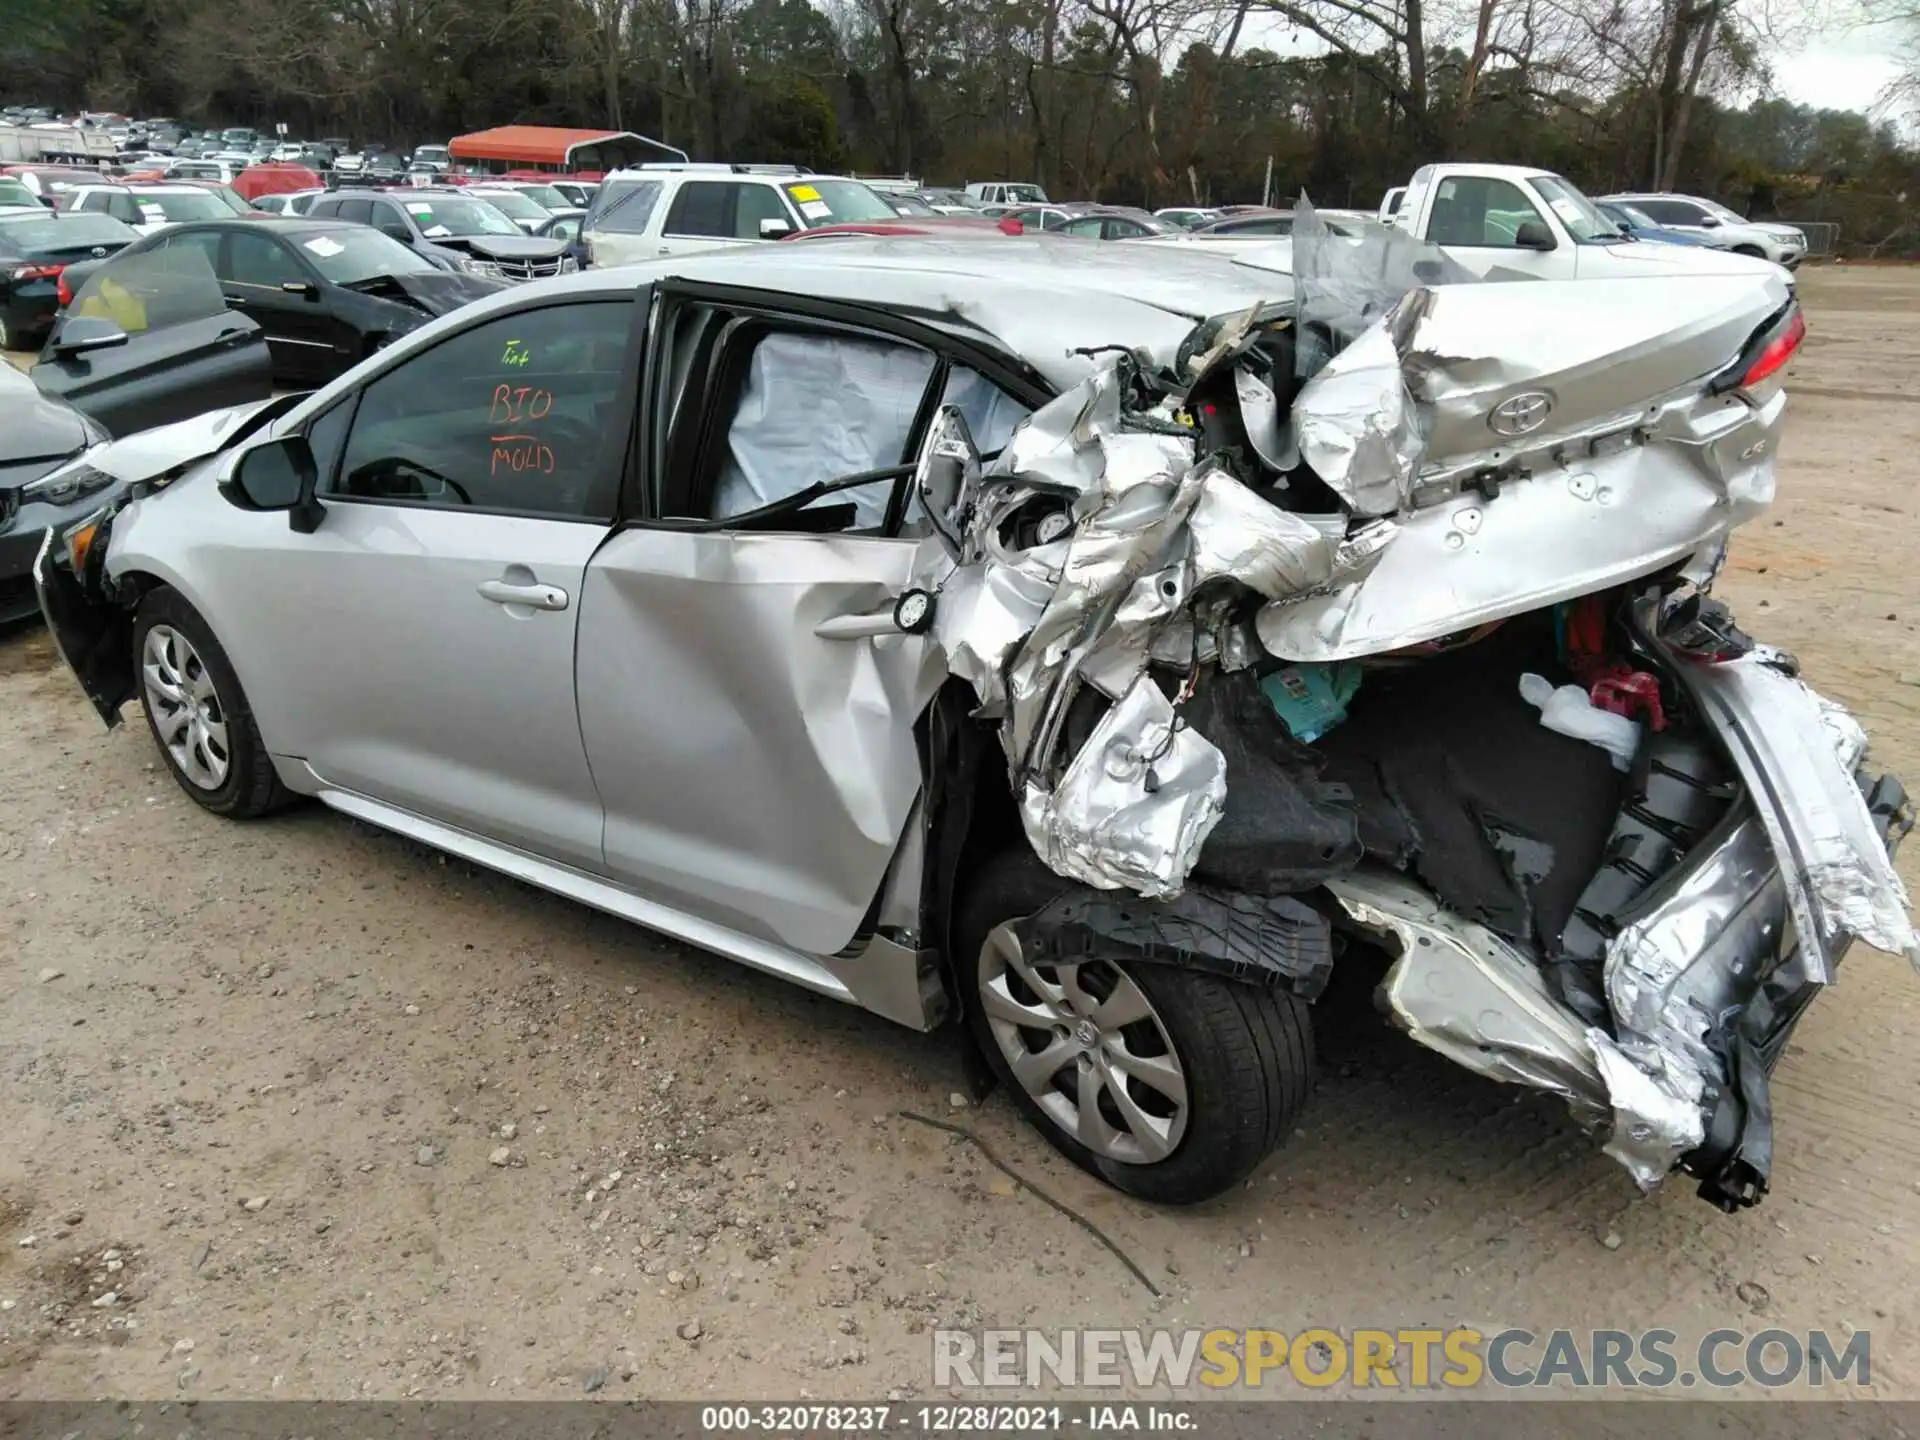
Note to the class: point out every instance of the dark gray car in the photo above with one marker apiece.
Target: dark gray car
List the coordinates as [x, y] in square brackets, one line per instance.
[42, 482]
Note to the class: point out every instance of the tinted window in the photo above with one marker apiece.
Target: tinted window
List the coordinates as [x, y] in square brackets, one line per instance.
[507, 416]
[260, 260]
[703, 207]
[1085, 225]
[192, 250]
[96, 201]
[172, 285]
[357, 210]
[623, 207]
[1670, 212]
[383, 216]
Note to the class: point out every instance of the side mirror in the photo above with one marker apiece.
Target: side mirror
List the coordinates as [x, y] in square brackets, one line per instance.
[304, 288]
[1534, 235]
[946, 474]
[771, 229]
[278, 475]
[1709, 222]
[79, 334]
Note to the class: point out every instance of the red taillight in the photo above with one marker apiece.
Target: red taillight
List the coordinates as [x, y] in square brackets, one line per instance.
[37, 272]
[1777, 351]
[63, 292]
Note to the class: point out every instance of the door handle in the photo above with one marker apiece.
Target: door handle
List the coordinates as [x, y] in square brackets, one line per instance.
[536, 597]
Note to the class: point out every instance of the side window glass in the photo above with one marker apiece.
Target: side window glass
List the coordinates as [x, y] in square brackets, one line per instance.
[191, 253]
[757, 203]
[152, 290]
[815, 408]
[327, 438]
[702, 207]
[1089, 225]
[507, 416]
[359, 211]
[386, 219]
[627, 210]
[96, 201]
[260, 261]
[1475, 211]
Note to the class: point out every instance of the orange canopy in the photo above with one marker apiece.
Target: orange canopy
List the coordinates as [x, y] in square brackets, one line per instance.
[561, 147]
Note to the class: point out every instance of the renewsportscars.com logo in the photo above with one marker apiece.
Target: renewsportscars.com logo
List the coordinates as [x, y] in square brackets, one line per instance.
[1411, 1359]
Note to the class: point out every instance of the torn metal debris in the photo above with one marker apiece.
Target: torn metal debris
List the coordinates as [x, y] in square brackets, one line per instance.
[1378, 475]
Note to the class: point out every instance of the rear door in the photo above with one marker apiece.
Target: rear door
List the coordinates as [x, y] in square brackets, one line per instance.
[185, 352]
[757, 772]
[307, 343]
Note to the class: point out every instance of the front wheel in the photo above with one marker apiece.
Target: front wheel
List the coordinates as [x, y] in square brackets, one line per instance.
[198, 713]
[1170, 1084]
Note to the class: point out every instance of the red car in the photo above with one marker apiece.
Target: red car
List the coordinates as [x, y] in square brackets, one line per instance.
[273, 177]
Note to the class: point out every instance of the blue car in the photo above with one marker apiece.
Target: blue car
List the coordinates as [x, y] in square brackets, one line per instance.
[1640, 226]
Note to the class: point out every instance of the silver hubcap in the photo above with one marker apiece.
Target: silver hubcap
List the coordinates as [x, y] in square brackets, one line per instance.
[1087, 1045]
[187, 713]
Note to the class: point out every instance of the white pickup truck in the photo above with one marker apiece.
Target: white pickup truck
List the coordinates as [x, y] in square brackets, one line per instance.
[1515, 218]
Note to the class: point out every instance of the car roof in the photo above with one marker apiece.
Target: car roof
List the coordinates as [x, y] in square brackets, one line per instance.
[1042, 297]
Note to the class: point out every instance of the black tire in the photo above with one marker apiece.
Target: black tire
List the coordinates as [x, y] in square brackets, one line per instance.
[1247, 1051]
[251, 787]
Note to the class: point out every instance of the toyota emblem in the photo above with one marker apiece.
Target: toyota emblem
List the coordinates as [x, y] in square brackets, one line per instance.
[1521, 414]
[99, 252]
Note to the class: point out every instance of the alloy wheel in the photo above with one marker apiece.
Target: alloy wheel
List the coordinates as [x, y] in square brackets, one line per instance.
[187, 714]
[1088, 1047]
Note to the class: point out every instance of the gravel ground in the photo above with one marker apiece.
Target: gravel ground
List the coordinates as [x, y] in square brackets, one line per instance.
[299, 1109]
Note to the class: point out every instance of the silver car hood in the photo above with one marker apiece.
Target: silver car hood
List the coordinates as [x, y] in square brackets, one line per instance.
[151, 453]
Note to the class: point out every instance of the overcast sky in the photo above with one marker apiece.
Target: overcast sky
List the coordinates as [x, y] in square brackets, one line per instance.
[1847, 71]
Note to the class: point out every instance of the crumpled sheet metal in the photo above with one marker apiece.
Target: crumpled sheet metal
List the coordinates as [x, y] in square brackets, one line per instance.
[1567, 531]
[1796, 752]
[1271, 551]
[1469, 995]
[1359, 428]
[1135, 804]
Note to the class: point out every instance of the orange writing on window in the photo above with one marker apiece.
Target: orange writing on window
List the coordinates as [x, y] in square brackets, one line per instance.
[519, 454]
[517, 404]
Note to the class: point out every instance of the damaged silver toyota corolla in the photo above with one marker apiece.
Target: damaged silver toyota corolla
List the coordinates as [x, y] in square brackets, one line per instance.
[1099, 646]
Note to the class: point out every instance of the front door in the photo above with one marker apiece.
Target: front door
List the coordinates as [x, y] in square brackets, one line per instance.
[1477, 220]
[425, 629]
[185, 352]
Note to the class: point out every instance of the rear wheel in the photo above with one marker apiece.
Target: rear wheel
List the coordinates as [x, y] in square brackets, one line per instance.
[197, 712]
[1168, 1083]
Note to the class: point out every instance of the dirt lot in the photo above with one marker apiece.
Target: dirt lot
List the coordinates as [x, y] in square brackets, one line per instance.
[197, 1017]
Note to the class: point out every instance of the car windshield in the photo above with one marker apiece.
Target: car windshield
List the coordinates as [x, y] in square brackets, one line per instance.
[12, 192]
[515, 204]
[31, 233]
[438, 215]
[1575, 211]
[1729, 217]
[178, 205]
[352, 254]
[545, 196]
[229, 199]
[910, 205]
[1632, 215]
[836, 202]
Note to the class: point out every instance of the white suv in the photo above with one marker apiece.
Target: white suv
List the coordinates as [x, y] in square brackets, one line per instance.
[655, 210]
[1720, 227]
